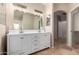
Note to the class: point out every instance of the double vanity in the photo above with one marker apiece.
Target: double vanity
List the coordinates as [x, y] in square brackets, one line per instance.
[27, 43]
[26, 34]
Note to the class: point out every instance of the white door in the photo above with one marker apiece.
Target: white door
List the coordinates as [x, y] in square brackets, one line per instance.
[76, 21]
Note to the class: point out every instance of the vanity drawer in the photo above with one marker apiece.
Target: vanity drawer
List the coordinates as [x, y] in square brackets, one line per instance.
[35, 48]
[35, 39]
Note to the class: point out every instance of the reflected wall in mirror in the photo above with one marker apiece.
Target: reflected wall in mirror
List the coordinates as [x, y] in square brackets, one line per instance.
[18, 17]
[2, 13]
[30, 21]
[27, 21]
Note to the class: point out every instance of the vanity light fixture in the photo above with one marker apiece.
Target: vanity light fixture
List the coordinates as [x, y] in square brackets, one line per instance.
[38, 11]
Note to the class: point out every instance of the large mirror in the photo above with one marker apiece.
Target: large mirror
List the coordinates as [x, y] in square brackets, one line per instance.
[27, 21]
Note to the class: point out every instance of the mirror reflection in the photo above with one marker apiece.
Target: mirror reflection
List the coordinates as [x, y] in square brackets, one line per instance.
[2, 14]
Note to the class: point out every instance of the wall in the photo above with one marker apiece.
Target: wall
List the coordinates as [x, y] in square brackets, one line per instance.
[61, 6]
[9, 16]
[33, 6]
[73, 6]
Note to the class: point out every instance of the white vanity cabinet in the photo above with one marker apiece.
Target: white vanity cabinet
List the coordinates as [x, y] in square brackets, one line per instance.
[23, 44]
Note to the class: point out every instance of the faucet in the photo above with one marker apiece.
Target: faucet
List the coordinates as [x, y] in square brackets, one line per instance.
[21, 30]
[39, 25]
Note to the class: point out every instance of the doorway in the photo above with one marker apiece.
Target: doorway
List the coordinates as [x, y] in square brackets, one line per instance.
[60, 28]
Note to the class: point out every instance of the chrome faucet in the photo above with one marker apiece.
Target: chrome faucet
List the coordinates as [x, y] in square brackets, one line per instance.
[21, 29]
[39, 25]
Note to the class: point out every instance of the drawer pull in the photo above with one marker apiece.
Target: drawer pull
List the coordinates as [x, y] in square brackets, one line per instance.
[45, 35]
[35, 48]
[35, 40]
[35, 36]
[35, 44]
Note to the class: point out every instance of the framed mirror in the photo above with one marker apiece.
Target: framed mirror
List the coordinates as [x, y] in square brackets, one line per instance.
[27, 21]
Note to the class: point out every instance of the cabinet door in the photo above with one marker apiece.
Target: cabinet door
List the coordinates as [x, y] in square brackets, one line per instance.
[44, 40]
[15, 44]
[26, 44]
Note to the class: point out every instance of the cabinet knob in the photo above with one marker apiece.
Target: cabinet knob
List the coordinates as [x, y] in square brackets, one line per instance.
[21, 37]
[35, 44]
[45, 35]
[35, 48]
[35, 36]
[35, 40]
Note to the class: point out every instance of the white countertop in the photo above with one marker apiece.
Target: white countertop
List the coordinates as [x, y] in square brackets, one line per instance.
[24, 32]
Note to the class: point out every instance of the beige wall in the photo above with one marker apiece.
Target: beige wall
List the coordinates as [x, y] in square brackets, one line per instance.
[73, 5]
[61, 6]
[9, 15]
[49, 11]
